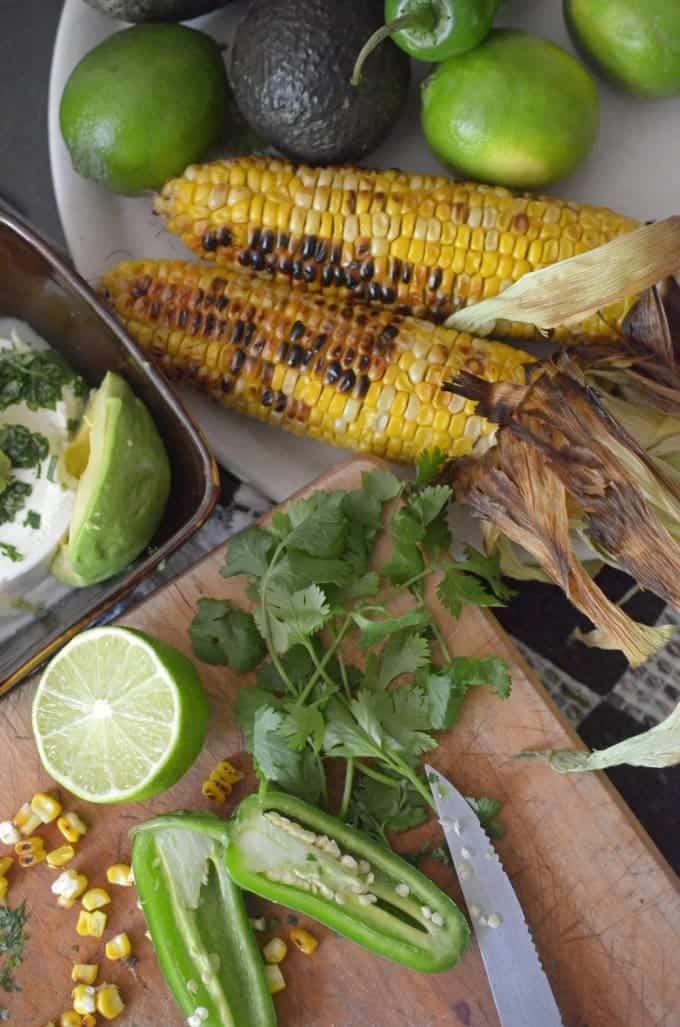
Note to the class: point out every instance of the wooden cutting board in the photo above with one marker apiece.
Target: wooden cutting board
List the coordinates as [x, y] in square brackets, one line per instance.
[603, 905]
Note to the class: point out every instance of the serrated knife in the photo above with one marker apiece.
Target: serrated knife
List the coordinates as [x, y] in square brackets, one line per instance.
[519, 984]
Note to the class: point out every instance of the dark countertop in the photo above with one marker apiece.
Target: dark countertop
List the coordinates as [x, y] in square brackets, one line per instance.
[605, 700]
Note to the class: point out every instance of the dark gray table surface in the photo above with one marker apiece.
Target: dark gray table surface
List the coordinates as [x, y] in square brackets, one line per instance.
[27, 30]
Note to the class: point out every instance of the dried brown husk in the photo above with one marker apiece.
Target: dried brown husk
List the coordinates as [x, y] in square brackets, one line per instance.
[558, 445]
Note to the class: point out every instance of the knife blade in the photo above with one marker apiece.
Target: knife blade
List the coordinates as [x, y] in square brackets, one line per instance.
[519, 984]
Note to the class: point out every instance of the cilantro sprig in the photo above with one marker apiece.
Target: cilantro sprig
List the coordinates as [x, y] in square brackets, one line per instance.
[314, 581]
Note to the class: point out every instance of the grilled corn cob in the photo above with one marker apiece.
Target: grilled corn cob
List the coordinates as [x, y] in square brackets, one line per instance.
[356, 376]
[427, 245]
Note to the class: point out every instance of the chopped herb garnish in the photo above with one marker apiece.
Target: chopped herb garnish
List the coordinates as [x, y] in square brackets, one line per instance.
[313, 580]
[25, 448]
[11, 552]
[52, 469]
[12, 499]
[33, 520]
[37, 379]
[12, 943]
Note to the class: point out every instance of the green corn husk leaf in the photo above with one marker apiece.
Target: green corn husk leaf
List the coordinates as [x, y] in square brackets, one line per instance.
[571, 290]
[658, 747]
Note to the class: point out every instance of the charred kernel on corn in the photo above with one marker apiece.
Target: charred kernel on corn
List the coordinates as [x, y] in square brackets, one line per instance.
[84, 973]
[424, 243]
[61, 856]
[72, 826]
[303, 940]
[46, 807]
[95, 898]
[274, 978]
[352, 376]
[109, 1001]
[91, 924]
[118, 947]
[83, 999]
[120, 874]
[275, 951]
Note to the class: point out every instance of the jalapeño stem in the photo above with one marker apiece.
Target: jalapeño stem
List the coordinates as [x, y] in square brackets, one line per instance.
[422, 18]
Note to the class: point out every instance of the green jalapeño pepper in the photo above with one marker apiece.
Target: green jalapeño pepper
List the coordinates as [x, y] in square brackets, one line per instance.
[198, 922]
[292, 853]
[431, 30]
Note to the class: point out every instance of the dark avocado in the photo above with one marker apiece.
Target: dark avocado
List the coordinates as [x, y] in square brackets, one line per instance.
[156, 10]
[290, 70]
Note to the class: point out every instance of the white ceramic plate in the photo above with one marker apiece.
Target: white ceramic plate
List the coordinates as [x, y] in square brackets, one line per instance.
[633, 168]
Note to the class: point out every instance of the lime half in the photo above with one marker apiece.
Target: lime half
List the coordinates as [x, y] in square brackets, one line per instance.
[119, 716]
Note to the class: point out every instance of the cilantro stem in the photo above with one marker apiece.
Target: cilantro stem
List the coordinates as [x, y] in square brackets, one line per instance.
[322, 777]
[320, 668]
[347, 790]
[398, 589]
[442, 641]
[321, 664]
[416, 781]
[376, 775]
[341, 663]
[265, 619]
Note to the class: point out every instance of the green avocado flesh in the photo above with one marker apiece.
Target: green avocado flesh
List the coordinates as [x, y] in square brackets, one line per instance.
[123, 476]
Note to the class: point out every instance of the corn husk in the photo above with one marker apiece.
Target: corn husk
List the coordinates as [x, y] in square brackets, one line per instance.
[570, 290]
[658, 747]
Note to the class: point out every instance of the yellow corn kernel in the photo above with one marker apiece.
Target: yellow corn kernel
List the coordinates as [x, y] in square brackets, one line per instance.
[4, 888]
[118, 947]
[225, 775]
[70, 1019]
[9, 833]
[91, 925]
[89, 1020]
[109, 1001]
[214, 792]
[5, 864]
[61, 856]
[30, 851]
[69, 886]
[26, 820]
[83, 998]
[303, 940]
[275, 980]
[71, 826]
[120, 874]
[84, 973]
[46, 807]
[95, 898]
[275, 950]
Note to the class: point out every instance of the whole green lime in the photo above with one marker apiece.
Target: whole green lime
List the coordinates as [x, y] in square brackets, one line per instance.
[143, 104]
[516, 111]
[635, 42]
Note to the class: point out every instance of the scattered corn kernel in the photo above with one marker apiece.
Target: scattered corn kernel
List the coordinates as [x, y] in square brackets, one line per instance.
[61, 856]
[121, 874]
[258, 923]
[91, 924]
[71, 826]
[30, 851]
[109, 1001]
[118, 947]
[46, 807]
[95, 898]
[303, 940]
[83, 998]
[225, 774]
[214, 792]
[275, 950]
[89, 1020]
[274, 978]
[5, 864]
[69, 886]
[70, 1019]
[9, 835]
[26, 820]
[4, 888]
[84, 973]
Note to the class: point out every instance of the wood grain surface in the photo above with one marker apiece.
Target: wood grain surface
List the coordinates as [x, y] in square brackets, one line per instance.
[603, 904]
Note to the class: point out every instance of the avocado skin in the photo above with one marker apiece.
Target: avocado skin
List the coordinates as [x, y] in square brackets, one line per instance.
[155, 10]
[290, 70]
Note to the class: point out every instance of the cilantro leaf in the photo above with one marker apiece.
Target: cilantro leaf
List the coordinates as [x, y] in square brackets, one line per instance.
[403, 653]
[248, 553]
[363, 587]
[429, 503]
[405, 564]
[445, 697]
[36, 378]
[405, 528]
[308, 570]
[490, 670]
[25, 448]
[488, 810]
[319, 525]
[430, 464]
[292, 616]
[298, 666]
[382, 484]
[457, 589]
[374, 631]
[295, 772]
[447, 687]
[344, 736]
[222, 633]
[488, 568]
[303, 724]
[377, 808]
[248, 702]
[410, 722]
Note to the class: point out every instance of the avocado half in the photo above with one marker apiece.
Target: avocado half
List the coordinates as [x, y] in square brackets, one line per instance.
[156, 10]
[123, 484]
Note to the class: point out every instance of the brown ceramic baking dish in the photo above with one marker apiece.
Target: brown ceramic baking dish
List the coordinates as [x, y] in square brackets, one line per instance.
[39, 287]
